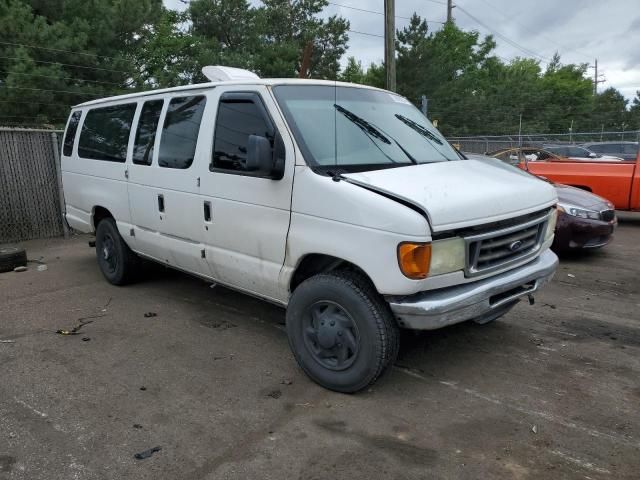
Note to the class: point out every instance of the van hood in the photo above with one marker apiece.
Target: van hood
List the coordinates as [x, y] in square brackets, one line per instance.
[462, 193]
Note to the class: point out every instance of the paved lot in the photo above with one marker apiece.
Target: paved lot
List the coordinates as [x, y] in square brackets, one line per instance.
[550, 391]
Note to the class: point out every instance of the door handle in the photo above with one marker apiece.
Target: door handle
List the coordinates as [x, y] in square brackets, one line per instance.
[160, 202]
[207, 211]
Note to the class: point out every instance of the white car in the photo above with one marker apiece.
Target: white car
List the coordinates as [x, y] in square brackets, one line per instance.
[576, 152]
[340, 202]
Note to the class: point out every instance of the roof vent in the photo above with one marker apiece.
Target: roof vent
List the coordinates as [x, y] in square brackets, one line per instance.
[220, 73]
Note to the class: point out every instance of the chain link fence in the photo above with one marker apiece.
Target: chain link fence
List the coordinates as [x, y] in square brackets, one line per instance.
[31, 202]
[491, 143]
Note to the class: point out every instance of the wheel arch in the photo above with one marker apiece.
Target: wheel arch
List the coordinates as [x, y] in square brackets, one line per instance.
[99, 213]
[314, 263]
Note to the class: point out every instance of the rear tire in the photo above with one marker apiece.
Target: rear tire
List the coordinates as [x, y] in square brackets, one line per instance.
[12, 257]
[341, 331]
[117, 262]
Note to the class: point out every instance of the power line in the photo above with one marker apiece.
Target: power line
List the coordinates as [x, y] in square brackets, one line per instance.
[36, 103]
[503, 37]
[365, 33]
[377, 13]
[61, 78]
[69, 65]
[54, 91]
[564, 48]
[59, 50]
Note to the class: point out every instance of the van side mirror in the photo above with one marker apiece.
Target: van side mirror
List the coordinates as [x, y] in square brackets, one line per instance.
[259, 155]
[593, 155]
[261, 158]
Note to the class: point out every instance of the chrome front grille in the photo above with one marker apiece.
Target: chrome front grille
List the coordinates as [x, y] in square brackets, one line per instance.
[494, 250]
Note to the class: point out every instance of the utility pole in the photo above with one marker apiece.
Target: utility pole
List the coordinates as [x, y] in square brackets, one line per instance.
[520, 132]
[450, 7]
[390, 44]
[596, 78]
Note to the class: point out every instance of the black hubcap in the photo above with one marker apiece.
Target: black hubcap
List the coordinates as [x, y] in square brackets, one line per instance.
[331, 335]
[108, 254]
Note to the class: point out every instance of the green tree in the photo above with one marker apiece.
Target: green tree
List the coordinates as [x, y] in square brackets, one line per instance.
[58, 53]
[610, 111]
[634, 112]
[353, 72]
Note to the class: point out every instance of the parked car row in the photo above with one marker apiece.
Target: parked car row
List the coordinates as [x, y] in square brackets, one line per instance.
[585, 220]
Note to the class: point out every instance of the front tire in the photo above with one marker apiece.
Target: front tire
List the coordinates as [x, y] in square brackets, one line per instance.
[341, 331]
[117, 261]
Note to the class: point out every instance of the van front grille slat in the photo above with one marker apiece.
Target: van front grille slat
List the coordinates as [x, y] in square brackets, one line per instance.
[494, 250]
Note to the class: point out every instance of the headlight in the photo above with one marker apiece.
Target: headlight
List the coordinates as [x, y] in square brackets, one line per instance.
[551, 224]
[578, 212]
[418, 260]
[447, 256]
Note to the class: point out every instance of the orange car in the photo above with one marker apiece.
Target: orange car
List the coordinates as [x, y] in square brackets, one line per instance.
[618, 182]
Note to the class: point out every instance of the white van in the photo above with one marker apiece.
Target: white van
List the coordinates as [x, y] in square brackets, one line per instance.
[340, 202]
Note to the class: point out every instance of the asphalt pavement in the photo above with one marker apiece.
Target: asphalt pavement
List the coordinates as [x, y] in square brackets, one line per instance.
[549, 391]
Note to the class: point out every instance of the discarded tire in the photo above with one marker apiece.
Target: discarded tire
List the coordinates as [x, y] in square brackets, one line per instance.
[12, 257]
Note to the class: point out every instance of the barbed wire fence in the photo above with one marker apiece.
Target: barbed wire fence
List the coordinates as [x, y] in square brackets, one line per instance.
[491, 143]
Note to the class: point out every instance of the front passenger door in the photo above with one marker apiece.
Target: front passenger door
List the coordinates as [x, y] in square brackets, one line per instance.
[246, 213]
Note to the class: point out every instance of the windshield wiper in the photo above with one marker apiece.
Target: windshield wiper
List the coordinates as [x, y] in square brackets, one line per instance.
[363, 124]
[418, 128]
[371, 131]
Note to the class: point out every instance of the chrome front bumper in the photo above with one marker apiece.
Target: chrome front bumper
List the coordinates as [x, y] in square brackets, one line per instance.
[477, 300]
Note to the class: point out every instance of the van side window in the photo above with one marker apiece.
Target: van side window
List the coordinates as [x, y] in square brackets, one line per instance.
[70, 135]
[239, 115]
[146, 132]
[180, 131]
[105, 133]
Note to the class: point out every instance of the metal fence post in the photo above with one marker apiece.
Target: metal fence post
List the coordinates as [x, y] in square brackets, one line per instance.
[56, 159]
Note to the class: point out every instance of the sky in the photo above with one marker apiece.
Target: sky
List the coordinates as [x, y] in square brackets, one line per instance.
[579, 30]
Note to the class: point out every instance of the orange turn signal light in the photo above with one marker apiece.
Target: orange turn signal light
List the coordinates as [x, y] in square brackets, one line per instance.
[414, 259]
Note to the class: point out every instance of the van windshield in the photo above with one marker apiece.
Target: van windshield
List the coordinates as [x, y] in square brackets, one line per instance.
[358, 129]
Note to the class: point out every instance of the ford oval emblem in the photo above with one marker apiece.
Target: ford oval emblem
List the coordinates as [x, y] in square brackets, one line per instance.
[515, 246]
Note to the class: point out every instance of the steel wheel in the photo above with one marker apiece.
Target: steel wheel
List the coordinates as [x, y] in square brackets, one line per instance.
[331, 335]
[109, 254]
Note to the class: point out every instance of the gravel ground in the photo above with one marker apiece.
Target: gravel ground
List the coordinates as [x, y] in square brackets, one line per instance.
[549, 391]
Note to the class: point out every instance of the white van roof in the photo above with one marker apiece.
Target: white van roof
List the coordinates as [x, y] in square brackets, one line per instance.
[259, 81]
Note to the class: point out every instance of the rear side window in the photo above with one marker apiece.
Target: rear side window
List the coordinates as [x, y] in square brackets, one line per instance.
[577, 152]
[105, 133]
[146, 133]
[180, 131]
[239, 116]
[70, 135]
[630, 149]
[610, 148]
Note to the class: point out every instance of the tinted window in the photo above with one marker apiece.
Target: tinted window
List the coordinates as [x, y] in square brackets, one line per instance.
[577, 152]
[146, 134]
[180, 132]
[631, 149]
[598, 148]
[237, 119]
[558, 151]
[105, 133]
[70, 135]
